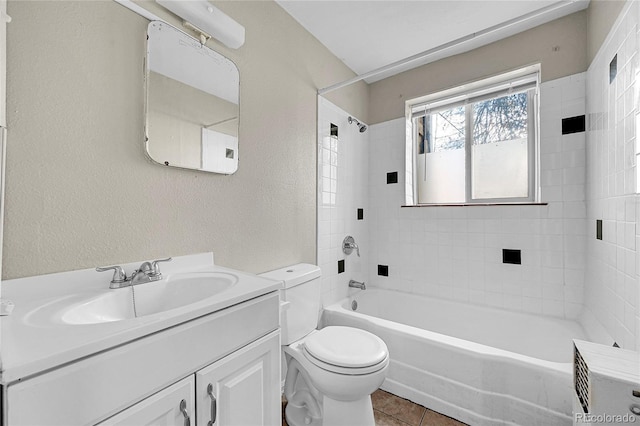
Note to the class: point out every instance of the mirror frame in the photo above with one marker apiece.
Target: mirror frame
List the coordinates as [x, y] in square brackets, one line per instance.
[147, 73]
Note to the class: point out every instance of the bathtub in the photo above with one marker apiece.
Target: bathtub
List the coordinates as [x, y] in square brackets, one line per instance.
[480, 365]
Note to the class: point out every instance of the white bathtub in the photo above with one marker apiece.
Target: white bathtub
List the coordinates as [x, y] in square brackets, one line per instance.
[480, 365]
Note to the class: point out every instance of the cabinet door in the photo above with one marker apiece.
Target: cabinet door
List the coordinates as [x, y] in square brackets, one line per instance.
[165, 408]
[242, 389]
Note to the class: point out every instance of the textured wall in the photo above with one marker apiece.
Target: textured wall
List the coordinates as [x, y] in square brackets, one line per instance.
[80, 191]
[601, 15]
[387, 97]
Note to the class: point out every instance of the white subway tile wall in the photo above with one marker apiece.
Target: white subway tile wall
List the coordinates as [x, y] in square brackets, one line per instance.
[342, 190]
[613, 281]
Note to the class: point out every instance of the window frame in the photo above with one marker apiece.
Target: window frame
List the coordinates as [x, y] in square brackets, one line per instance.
[522, 80]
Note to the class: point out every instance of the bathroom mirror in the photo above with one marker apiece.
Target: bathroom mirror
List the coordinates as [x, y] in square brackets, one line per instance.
[192, 103]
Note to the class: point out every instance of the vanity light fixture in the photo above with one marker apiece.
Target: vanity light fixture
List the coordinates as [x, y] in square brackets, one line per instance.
[208, 20]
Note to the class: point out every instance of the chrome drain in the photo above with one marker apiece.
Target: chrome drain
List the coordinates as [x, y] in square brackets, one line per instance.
[354, 305]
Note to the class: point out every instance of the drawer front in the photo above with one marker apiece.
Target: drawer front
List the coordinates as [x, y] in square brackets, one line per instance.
[174, 405]
[90, 390]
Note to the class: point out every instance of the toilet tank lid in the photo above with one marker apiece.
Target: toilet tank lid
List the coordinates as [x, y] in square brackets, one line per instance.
[294, 275]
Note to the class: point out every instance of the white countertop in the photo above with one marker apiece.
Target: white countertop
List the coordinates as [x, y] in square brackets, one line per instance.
[29, 346]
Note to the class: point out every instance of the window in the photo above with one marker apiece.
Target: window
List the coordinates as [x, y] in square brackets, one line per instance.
[476, 143]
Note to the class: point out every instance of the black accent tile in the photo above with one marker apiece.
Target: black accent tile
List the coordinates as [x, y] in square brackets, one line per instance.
[340, 266]
[573, 125]
[334, 130]
[511, 256]
[598, 229]
[360, 214]
[392, 177]
[613, 69]
[383, 270]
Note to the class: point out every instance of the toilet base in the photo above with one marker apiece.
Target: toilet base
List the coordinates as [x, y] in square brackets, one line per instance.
[299, 416]
[335, 413]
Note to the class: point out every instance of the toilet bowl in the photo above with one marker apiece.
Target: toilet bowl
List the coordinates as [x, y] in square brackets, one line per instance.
[331, 372]
[340, 367]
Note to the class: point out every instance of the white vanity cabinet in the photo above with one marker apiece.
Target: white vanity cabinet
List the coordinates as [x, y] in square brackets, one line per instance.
[236, 390]
[236, 350]
[174, 405]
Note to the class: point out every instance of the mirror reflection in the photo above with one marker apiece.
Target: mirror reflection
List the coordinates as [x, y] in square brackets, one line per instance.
[192, 105]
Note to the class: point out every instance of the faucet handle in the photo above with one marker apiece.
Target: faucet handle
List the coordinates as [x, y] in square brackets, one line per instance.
[348, 244]
[145, 267]
[118, 273]
[155, 269]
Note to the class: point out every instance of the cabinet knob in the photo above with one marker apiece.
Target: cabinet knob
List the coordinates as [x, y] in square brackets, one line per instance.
[185, 413]
[214, 405]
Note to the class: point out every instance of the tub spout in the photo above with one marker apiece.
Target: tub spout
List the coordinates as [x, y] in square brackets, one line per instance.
[357, 284]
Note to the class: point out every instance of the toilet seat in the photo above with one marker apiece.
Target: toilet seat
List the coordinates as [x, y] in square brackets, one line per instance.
[346, 350]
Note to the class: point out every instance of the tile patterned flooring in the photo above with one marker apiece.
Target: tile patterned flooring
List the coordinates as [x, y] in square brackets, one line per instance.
[391, 410]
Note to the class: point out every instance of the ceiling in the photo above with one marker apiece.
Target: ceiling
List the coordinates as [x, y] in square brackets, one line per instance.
[370, 34]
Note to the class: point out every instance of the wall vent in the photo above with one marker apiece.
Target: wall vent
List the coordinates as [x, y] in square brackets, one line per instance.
[581, 379]
[606, 382]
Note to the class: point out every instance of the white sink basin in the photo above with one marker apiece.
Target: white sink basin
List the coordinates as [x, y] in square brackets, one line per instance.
[174, 291]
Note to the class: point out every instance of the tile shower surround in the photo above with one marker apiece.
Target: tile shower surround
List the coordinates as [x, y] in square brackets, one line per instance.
[342, 196]
[612, 288]
[455, 252]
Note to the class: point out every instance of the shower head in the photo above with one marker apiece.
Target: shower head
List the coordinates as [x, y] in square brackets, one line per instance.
[361, 127]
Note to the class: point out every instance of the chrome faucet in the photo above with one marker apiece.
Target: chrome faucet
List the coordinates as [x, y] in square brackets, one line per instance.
[349, 244]
[147, 272]
[144, 274]
[357, 284]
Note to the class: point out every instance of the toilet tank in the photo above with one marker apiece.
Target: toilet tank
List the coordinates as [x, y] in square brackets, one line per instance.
[299, 300]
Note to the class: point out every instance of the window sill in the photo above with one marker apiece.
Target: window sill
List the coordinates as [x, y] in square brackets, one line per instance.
[475, 204]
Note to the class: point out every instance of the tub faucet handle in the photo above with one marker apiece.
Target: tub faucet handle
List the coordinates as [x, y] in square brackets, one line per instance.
[349, 244]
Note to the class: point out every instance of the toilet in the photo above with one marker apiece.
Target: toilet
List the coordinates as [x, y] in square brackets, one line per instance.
[332, 372]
